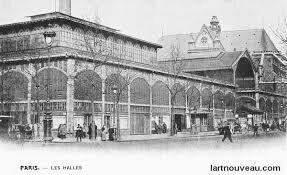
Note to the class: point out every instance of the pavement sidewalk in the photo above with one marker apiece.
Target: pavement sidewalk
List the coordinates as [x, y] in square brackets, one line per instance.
[129, 138]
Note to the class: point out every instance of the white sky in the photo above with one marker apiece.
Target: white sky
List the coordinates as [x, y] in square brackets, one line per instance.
[148, 19]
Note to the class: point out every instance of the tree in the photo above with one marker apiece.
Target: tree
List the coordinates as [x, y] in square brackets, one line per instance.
[281, 32]
[172, 82]
[13, 87]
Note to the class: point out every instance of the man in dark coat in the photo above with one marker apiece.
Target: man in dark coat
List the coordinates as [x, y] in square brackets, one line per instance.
[256, 130]
[90, 131]
[227, 133]
[96, 131]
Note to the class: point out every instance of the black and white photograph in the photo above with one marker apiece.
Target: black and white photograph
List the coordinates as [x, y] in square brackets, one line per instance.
[145, 87]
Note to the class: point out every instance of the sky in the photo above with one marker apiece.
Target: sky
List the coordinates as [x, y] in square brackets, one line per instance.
[150, 19]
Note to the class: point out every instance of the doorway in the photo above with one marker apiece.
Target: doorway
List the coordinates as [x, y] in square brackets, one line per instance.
[107, 121]
[88, 119]
[180, 121]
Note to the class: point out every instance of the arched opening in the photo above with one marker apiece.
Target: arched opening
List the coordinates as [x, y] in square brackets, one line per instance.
[140, 91]
[262, 104]
[122, 88]
[193, 98]
[88, 86]
[179, 95]
[244, 75]
[275, 106]
[14, 89]
[219, 100]
[160, 94]
[140, 114]
[179, 99]
[229, 101]
[269, 106]
[57, 82]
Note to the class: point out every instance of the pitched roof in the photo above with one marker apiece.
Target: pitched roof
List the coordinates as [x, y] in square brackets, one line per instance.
[223, 60]
[238, 40]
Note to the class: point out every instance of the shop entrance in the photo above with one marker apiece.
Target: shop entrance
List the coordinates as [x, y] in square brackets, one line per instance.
[199, 122]
[180, 121]
[140, 124]
[107, 121]
[88, 119]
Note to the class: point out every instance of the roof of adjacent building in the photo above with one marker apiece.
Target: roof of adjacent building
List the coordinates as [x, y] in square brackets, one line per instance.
[224, 60]
[237, 40]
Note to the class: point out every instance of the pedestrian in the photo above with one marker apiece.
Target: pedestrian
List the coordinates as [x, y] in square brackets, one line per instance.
[175, 129]
[256, 130]
[79, 133]
[96, 131]
[227, 133]
[90, 131]
[111, 134]
[159, 128]
[164, 127]
[103, 134]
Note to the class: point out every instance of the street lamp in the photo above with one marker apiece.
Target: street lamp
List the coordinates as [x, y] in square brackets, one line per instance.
[222, 101]
[47, 121]
[115, 92]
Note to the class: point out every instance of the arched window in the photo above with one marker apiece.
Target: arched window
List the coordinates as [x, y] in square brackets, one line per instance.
[160, 94]
[281, 106]
[262, 104]
[15, 87]
[193, 98]
[57, 81]
[244, 75]
[178, 94]
[88, 86]
[275, 106]
[122, 88]
[230, 101]
[140, 91]
[207, 98]
[269, 105]
[219, 100]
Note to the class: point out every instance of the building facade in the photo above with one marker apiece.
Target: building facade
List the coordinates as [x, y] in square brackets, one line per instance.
[246, 58]
[79, 71]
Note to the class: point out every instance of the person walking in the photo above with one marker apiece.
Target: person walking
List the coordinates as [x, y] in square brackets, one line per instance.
[175, 128]
[256, 130]
[79, 133]
[90, 131]
[227, 133]
[96, 131]
[103, 134]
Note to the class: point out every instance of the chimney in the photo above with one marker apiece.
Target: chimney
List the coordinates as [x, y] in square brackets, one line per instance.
[65, 6]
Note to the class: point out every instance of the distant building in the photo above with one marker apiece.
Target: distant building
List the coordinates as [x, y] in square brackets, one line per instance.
[245, 58]
[87, 61]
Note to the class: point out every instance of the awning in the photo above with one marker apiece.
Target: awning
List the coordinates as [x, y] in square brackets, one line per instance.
[249, 110]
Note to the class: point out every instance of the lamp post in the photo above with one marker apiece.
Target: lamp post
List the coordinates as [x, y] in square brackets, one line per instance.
[47, 121]
[115, 92]
[223, 103]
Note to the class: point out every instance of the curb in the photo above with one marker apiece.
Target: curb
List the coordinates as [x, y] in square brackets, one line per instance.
[150, 139]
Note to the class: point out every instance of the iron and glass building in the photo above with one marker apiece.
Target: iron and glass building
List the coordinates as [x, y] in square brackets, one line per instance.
[88, 60]
[246, 58]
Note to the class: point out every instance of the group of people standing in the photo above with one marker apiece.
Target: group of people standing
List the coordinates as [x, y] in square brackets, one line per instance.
[160, 128]
[92, 132]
